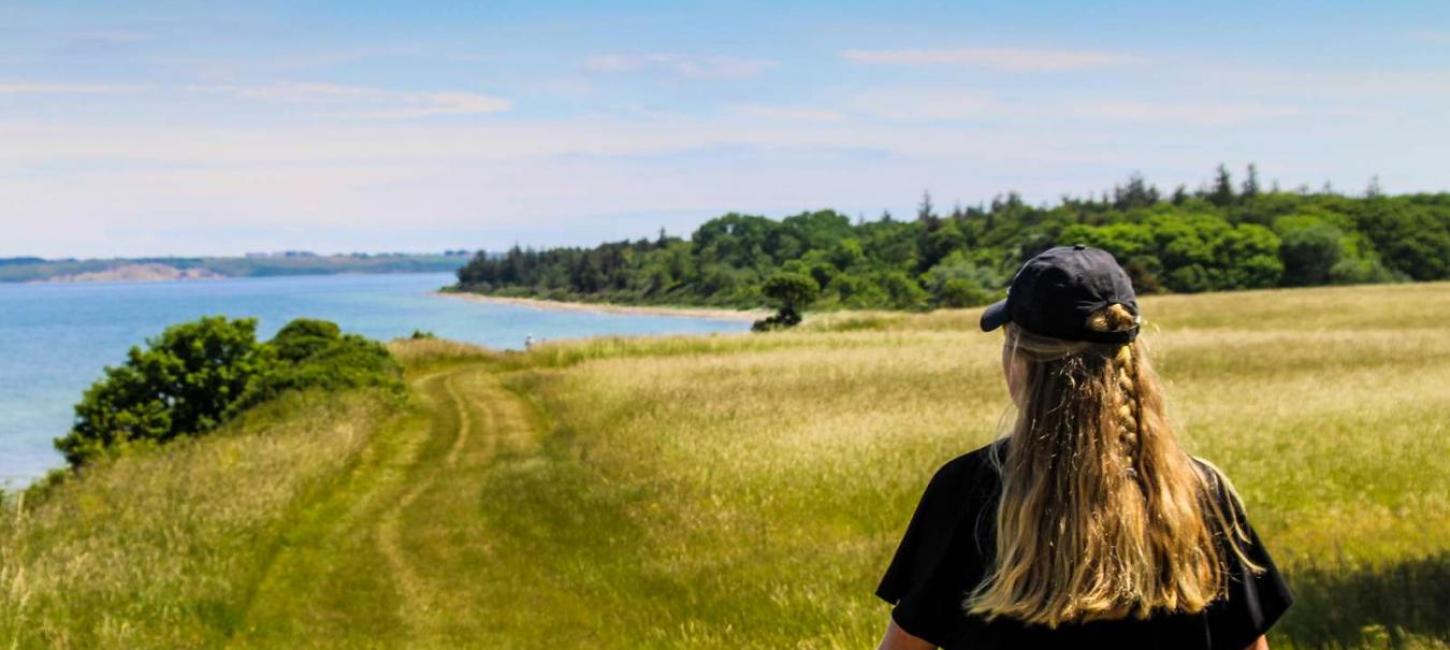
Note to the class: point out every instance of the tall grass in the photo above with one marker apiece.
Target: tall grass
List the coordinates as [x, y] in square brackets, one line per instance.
[727, 491]
[162, 548]
[747, 491]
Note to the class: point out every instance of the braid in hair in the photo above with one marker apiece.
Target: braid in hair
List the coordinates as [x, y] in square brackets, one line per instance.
[1102, 514]
[1129, 408]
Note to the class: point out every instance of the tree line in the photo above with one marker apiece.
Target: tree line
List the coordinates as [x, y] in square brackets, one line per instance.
[1225, 235]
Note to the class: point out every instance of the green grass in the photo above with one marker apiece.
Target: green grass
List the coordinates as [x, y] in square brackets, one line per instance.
[758, 486]
[740, 491]
[165, 548]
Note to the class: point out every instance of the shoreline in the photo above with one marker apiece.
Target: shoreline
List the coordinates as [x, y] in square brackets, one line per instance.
[711, 313]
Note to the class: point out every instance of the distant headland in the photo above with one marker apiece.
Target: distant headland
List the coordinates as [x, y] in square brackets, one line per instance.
[36, 269]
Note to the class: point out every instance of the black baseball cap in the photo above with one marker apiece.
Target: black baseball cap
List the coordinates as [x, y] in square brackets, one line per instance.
[1054, 293]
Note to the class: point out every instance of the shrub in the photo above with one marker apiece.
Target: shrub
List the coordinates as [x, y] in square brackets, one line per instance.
[789, 293]
[197, 375]
[182, 383]
[329, 360]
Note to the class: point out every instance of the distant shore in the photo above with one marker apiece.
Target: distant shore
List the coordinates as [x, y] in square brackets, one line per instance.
[134, 273]
[614, 308]
[164, 269]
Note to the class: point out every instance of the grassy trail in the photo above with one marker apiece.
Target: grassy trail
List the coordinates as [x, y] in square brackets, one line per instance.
[725, 491]
[393, 557]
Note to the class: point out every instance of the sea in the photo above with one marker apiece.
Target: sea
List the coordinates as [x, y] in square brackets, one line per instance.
[55, 339]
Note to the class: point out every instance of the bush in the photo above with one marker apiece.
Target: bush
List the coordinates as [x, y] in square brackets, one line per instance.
[315, 354]
[182, 383]
[956, 281]
[1310, 254]
[790, 293]
[198, 375]
[303, 338]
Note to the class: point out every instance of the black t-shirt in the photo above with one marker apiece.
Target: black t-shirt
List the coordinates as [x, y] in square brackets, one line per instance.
[949, 546]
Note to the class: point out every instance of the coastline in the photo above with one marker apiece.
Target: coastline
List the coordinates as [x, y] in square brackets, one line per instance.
[713, 313]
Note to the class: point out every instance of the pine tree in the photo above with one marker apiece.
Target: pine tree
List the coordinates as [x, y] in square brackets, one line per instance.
[1372, 191]
[1222, 193]
[1251, 184]
[924, 211]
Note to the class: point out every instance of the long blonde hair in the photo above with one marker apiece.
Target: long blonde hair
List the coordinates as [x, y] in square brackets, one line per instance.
[1102, 515]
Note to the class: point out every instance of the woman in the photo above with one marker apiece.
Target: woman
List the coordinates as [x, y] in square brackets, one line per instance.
[1087, 525]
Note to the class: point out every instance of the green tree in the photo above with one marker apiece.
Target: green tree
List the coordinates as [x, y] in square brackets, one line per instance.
[1248, 258]
[197, 375]
[1251, 182]
[315, 354]
[1310, 254]
[902, 290]
[1222, 194]
[790, 293]
[959, 282]
[182, 383]
[1196, 241]
[1411, 238]
[303, 338]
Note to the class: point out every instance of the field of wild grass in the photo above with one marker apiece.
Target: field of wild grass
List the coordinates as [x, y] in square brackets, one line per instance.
[162, 548]
[728, 491]
[747, 492]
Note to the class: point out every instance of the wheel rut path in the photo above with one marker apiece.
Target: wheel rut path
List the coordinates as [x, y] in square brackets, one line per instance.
[392, 555]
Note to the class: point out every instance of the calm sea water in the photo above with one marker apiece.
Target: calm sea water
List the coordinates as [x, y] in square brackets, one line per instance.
[55, 338]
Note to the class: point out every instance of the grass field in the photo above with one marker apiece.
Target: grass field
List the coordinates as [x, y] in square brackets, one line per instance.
[739, 491]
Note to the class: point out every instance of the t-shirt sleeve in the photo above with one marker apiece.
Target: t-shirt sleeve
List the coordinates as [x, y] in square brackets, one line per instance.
[1255, 599]
[919, 581]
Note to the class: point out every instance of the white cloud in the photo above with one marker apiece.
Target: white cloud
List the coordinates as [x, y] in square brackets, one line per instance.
[910, 104]
[1201, 114]
[1439, 37]
[295, 92]
[453, 103]
[788, 113]
[361, 101]
[75, 188]
[106, 37]
[64, 89]
[1008, 59]
[690, 67]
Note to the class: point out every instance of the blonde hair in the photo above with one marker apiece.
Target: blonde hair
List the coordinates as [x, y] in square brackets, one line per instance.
[1102, 515]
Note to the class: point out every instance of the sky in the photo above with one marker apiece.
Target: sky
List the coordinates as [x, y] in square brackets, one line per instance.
[160, 128]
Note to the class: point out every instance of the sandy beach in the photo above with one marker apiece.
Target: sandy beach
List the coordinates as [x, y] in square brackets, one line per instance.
[659, 310]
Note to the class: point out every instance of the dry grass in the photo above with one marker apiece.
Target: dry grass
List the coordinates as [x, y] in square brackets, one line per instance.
[417, 353]
[162, 548]
[740, 491]
[747, 491]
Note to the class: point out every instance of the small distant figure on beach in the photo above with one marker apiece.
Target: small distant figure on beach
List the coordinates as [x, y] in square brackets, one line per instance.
[528, 341]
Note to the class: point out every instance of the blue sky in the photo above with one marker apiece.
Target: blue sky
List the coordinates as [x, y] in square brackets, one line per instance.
[215, 128]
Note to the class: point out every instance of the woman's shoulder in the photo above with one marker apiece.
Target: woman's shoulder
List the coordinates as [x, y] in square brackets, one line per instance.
[1215, 480]
[972, 473]
[976, 461]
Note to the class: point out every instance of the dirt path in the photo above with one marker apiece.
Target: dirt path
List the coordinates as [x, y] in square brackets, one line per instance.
[391, 556]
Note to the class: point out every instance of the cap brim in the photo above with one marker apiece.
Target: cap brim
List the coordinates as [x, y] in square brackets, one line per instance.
[994, 316]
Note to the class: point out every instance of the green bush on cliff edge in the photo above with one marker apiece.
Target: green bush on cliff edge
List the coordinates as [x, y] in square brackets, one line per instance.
[197, 375]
